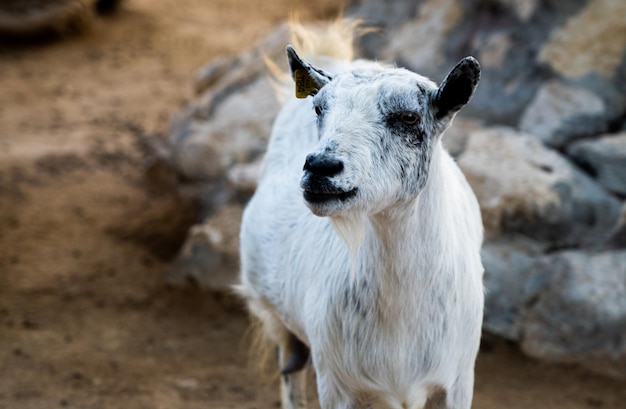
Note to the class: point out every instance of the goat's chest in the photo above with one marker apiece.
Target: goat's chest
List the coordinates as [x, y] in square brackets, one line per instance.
[367, 332]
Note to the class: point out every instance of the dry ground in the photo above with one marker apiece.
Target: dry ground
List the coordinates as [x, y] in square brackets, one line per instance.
[86, 319]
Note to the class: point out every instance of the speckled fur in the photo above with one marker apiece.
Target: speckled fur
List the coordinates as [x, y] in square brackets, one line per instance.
[385, 287]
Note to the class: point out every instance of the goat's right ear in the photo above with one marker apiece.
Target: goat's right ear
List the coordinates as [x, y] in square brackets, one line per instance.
[309, 79]
[457, 89]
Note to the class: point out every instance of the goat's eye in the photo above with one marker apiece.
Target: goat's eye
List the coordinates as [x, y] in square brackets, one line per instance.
[318, 110]
[409, 118]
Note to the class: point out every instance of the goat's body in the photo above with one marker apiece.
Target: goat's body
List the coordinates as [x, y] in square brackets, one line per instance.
[392, 325]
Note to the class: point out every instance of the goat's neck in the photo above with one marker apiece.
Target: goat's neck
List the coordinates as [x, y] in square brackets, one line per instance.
[407, 234]
[402, 220]
[403, 237]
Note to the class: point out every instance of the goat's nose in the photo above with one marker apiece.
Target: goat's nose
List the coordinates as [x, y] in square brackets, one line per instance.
[322, 165]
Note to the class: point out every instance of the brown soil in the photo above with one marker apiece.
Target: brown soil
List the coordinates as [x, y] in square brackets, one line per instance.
[86, 318]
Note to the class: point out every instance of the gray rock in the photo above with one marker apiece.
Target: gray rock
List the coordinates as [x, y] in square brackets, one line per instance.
[561, 113]
[507, 260]
[231, 119]
[565, 307]
[224, 73]
[576, 311]
[210, 256]
[455, 137]
[617, 239]
[236, 131]
[524, 187]
[433, 21]
[244, 177]
[605, 158]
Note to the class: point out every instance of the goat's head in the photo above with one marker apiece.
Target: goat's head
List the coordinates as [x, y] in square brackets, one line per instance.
[378, 128]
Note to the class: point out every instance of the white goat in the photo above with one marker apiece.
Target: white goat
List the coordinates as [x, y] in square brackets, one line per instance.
[384, 291]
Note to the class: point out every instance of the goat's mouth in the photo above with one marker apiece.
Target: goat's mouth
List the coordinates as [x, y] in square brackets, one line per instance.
[323, 196]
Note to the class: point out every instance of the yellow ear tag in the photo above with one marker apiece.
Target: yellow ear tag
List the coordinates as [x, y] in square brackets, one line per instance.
[304, 83]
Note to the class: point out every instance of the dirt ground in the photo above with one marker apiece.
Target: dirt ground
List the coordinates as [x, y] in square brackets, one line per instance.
[86, 318]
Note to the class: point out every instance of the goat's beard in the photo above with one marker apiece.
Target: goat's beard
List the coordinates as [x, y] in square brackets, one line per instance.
[351, 229]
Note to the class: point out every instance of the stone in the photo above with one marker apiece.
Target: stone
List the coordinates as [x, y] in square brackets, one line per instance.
[236, 131]
[605, 158]
[524, 187]
[576, 310]
[218, 73]
[507, 260]
[224, 73]
[230, 120]
[560, 113]
[455, 137]
[524, 9]
[567, 307]
[244, 177]
[617, 239]
[209, 258]
[592, 41]
[434, 20]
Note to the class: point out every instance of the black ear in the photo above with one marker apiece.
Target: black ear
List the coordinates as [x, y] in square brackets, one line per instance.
[309, 79]
[457, 89]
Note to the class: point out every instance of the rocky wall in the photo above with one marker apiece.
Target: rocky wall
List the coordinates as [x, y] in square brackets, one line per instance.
[543, 144]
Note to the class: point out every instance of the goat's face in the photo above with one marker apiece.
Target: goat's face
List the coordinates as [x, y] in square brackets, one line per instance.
[378, 128]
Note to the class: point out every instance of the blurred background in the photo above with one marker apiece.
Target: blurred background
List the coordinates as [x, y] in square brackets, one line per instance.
[131, 133]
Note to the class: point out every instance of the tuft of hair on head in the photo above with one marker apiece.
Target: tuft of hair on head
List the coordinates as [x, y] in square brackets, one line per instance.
[351, 229]
[317, 42]
[333, 39]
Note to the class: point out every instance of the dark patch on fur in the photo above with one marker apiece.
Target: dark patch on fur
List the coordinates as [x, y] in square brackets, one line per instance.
[298, 356]
[413, 135]
[360, 299]
[394, 105]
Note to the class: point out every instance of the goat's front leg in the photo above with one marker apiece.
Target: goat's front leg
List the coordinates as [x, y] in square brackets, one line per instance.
[293, 358]
[461, 393]
[331, 397]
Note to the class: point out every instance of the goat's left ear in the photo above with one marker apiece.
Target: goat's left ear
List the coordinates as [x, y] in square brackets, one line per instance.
[309, 79]
[457, 89]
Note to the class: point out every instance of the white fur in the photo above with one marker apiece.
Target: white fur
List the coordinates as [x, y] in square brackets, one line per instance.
[406, 322]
